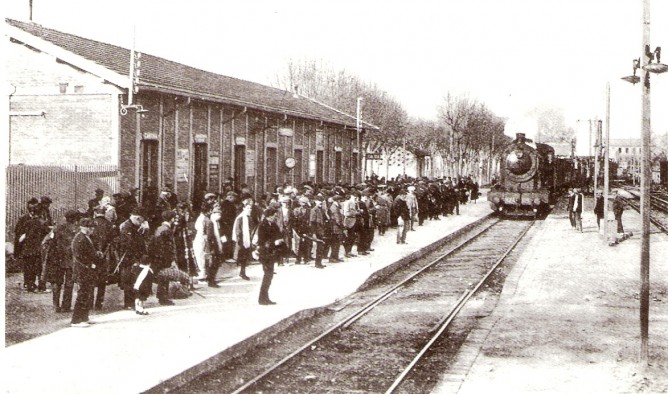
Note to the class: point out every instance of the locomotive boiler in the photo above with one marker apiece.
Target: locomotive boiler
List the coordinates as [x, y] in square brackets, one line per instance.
[530, 176]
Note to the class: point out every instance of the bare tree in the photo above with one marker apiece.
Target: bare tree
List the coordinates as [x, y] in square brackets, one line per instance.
[339, 89]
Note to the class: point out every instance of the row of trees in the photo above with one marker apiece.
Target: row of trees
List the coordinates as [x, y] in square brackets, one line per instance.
[466, 135]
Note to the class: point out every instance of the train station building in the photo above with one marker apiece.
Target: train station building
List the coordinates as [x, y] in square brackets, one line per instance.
[78, 101]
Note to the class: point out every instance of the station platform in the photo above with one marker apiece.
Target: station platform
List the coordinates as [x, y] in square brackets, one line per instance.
[127, 353]
[568, 318]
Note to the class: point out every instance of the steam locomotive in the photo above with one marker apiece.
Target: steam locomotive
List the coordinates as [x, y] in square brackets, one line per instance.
[531, 176]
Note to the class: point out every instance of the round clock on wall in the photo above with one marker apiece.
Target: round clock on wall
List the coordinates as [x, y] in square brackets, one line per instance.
[290, 162]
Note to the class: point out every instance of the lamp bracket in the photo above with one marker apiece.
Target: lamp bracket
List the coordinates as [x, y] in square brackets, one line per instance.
[138, 107]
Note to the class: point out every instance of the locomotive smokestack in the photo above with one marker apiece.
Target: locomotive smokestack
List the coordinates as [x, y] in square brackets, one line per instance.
[520, 137]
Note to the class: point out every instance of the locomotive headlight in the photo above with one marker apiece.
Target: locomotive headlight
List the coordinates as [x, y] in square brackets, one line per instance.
[512, 157]
[536, 201]
[496, 199]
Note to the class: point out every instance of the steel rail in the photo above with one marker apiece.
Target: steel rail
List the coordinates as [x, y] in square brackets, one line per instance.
[445, 322]
[344, 323]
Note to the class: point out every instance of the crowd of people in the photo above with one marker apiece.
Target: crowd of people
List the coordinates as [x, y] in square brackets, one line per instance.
[161, 240]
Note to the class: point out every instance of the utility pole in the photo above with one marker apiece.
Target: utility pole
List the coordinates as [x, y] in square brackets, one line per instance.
[359, 144]
[606, 165]
[645, 183]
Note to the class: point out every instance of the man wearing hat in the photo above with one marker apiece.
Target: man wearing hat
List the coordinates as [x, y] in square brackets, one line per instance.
[162, 254]
[401, 212]
[102, 237]
[86, 260]
[351, 213]
[132, 248]
[173, 199]
[44, 211]
[270, 242]
[318, 222]
[367, 224]
[412, 203]
[94, 202]
[228, 212]
[337, 228]
[29, 233]
[285, 221]
[59, 273]
[301, 216]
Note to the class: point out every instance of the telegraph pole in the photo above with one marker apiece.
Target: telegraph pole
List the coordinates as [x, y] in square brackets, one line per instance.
[359, 144]
[606, 165]
[645, 183]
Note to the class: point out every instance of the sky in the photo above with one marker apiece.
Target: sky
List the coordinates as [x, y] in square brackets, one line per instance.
[511, 55]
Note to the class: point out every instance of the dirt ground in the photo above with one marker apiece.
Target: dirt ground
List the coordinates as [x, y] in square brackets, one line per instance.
[569, 319]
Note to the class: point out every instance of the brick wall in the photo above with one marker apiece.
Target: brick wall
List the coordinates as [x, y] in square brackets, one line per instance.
[77, 106]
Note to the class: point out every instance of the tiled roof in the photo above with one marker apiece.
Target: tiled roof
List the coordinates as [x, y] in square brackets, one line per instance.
[166, 75]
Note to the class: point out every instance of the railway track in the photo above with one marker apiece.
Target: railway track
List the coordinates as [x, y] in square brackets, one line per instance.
[380, 345]
[659, 207]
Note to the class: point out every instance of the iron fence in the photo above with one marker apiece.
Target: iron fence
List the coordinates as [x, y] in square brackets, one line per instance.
[69, 187]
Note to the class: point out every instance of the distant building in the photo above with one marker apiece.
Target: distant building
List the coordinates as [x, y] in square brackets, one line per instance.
[626, 152]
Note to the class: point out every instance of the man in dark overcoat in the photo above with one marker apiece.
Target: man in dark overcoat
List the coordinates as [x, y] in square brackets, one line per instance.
[162, 254]
[132, 249]
[59, 271]
[228, 213]
[102, 237]
[86, 259]
[318, 222]
[270, 242]
[29, 233]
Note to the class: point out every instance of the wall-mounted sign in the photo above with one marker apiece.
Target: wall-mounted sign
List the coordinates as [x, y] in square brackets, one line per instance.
[338, 149]
[285, 132]
[214, 173]
[311, 165]
[149, 136]
[240, 140]
[182, 165]
[250, 162]
[200, 138]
